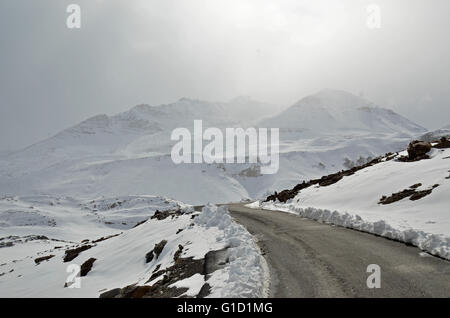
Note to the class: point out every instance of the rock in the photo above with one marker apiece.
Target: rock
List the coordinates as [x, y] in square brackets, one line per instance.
[420, 194]
[43, 258]
[418, 150]
[396, 196]
[443, 143]
[412, 193]
[87, 266]
[73, 253]
[104, 238]
[138, 292]
[157, 274]
[204, 291]
[177, 254]
[111, 293]
[182, 269]
[157, 250]
[161, 215]
[328, 180]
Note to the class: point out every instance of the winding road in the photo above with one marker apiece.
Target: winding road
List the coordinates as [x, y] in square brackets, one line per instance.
[310, 259]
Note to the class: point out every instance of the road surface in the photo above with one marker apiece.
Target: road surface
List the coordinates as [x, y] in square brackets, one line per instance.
[310, 259]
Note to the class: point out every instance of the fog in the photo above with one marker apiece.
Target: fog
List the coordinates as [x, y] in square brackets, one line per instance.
[143, 51]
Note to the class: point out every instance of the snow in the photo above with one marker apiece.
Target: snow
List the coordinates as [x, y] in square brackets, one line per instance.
[353, 202]
[193, 283]
[333, 110]
[436, 134]
[120, 260]
[247, 272]
[93, 180]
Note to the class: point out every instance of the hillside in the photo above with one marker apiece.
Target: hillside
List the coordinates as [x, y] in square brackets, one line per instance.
[129, 153]
[333, 111]
[398, 198]
[129, 246]
[436, 134]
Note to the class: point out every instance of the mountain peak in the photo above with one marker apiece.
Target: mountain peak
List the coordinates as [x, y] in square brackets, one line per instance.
[330, 111]
[333, 99]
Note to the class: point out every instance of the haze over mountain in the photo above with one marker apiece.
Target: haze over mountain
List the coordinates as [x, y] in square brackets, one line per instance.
[436, 134]
[129, 153]
[333, 110]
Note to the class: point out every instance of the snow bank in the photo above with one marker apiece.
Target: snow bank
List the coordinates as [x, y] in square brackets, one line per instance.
[434, 244]
[246, 274]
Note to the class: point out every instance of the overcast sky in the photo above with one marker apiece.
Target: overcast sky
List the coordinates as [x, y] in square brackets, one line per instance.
[144, 51]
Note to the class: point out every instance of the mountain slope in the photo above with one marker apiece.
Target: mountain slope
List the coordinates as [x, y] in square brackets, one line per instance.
[406, 201]
[48, 242]
[331, 111]
[129, 153]
[436, 134]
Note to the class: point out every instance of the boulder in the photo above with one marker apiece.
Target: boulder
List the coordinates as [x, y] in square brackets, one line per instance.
[418, 149]
[443, 143]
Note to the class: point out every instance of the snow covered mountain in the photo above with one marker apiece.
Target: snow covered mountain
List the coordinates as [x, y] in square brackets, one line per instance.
[106, 197]
[436, 134]
[331, 111]
[329, 131]
[129, 153]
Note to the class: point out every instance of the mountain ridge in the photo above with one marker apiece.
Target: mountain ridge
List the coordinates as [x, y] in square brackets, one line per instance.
[129, 153]
[335, 110]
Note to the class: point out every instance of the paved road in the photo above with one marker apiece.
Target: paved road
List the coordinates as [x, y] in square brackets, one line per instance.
[310, 259]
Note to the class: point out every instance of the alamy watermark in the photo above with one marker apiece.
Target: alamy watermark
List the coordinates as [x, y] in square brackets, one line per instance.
[74, 279]
[373, 16]
[236, 146]
[374, 279]
[73, 21]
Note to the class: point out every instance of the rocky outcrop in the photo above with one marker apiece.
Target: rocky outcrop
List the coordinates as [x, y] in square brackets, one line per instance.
[443, 143]
[43, 258]
[418, 150]
[286, 195]
[182, 269]
[73, 253]
[161, 215]
[156, 251]
[87, 266]
[412, 193]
